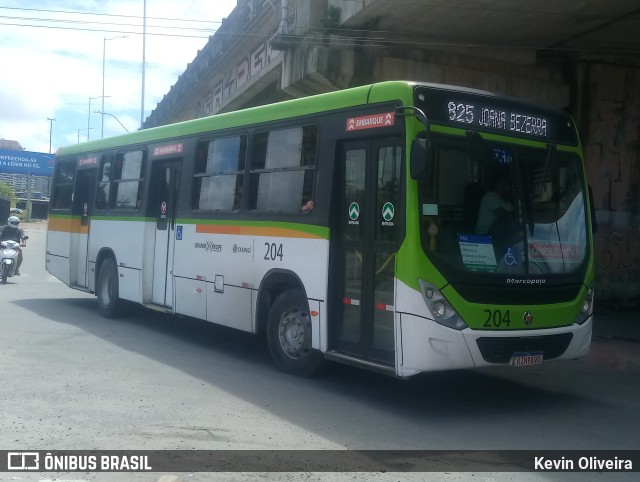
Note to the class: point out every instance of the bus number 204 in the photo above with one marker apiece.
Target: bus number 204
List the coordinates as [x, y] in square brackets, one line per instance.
[273, 251]
[496, 318]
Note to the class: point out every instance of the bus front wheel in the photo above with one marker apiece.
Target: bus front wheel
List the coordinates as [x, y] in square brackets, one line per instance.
[289, 335]
[107, 289]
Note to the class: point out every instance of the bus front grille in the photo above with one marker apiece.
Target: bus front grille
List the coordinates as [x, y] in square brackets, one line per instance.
[501, 350]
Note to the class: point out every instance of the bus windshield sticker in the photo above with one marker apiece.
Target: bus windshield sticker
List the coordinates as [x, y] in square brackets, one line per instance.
[554, 252]
[429, 209]
[168, 149]
[512, 256]
[503, 156]
[386, 119]
[477, 253]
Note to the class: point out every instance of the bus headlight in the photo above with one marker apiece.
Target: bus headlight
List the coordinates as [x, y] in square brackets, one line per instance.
[587, 307]
[441, 310]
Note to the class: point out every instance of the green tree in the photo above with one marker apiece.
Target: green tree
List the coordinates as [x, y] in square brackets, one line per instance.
[6, 190]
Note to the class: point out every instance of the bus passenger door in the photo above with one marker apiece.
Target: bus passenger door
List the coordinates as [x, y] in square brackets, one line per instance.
[165, 182]
[363, 252]
[84, 189]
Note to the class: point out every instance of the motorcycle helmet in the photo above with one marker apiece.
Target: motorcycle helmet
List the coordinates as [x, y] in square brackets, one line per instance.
[13, 221]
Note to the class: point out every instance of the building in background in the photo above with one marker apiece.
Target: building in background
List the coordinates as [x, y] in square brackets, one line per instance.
[580, 57]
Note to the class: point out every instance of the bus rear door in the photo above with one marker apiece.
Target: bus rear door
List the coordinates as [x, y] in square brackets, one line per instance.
[165, 182]
[85, 184]
[363, 252]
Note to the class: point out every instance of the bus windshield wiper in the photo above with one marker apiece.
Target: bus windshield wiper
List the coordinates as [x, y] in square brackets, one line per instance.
[475, 136]
[551, 148]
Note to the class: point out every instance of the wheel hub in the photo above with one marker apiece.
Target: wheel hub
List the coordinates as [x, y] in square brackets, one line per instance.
[293, 335]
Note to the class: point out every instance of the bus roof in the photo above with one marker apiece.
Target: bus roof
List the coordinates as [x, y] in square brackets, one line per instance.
[277, 111]
[357, 96]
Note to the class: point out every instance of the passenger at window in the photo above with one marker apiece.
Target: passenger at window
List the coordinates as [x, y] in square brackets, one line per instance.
[307, 207]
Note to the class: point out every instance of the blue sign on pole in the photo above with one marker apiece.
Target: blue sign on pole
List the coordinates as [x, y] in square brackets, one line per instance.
[25, 162]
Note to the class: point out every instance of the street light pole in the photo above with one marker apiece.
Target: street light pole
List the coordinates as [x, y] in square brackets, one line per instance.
[104, 50]
[50, 131]
[89, 116]
[80, 130]
[106, 113]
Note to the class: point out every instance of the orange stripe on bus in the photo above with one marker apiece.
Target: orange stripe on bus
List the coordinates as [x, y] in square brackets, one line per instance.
[253, 231]
[67, 225]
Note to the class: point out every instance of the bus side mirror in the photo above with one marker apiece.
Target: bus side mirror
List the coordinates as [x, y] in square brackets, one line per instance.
[420, 157]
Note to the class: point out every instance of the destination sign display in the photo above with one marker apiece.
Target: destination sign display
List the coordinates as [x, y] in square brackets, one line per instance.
[480, 111]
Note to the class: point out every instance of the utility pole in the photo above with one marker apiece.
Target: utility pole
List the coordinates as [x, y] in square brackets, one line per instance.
[144, 40]
[50, 131]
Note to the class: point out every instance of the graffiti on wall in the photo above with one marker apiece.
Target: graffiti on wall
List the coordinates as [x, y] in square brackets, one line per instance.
[617, 250]
[237, 78]
[617, 260]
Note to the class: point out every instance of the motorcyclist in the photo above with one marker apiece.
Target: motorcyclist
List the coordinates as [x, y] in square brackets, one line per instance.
[13, 232]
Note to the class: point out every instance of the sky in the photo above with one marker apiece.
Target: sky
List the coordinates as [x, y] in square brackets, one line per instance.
[51, 61]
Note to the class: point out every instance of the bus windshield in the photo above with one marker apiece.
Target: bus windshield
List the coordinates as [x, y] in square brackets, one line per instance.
[503, 209]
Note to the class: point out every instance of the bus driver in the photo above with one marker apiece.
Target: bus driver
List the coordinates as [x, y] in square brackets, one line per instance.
[495, 205]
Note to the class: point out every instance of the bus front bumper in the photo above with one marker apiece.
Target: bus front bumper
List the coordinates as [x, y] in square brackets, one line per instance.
[428, 346]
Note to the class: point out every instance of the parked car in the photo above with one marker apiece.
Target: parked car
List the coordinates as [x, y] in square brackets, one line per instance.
[16, 211]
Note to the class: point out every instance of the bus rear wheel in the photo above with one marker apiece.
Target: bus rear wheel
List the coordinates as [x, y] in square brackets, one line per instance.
[107, 289]
[289, 335]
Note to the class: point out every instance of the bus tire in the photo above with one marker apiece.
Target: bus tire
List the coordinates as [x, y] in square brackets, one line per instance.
[107, 289]
[289, 335]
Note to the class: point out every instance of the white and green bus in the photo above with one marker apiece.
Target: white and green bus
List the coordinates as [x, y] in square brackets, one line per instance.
[358, 226]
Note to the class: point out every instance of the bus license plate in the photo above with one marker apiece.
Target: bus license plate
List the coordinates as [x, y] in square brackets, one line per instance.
[526, 359]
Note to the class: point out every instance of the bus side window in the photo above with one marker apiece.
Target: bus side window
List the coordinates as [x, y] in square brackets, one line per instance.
[219, 174]
[62, 194]
[282, 169]
[128, 180]
[104, 183]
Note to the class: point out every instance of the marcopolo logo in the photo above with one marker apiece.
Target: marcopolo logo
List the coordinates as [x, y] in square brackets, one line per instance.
[526, 281]
[209, 246]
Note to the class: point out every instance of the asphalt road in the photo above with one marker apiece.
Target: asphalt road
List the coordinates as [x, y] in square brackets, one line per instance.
[72, 380]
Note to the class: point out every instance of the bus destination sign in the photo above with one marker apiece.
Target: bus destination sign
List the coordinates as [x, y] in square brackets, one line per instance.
[481, 111]
[496, 118]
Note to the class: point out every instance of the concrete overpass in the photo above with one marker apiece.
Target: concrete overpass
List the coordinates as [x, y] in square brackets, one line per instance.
[581, 56]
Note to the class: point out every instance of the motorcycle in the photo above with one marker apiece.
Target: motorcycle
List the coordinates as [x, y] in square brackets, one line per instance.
[9, 258]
